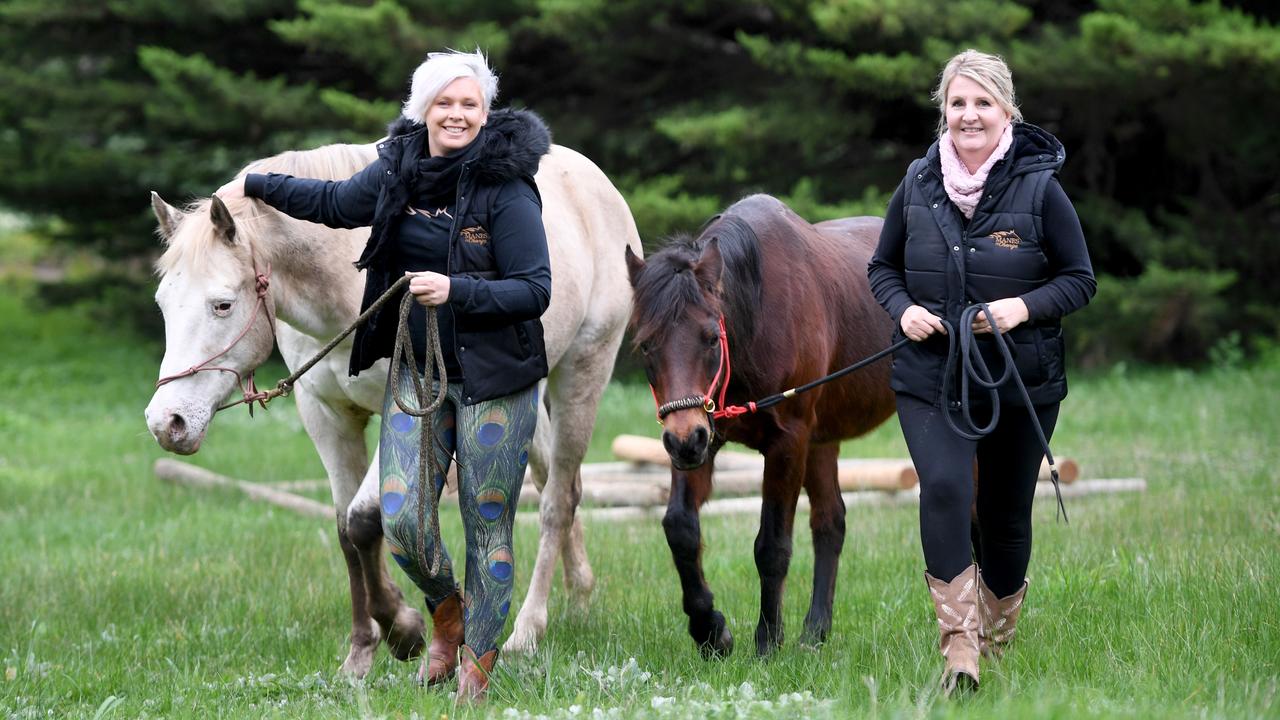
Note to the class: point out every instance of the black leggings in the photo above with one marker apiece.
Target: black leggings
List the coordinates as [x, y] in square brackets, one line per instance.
[1008, 462]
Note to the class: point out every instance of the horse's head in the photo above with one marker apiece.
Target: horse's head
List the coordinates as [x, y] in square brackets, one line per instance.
[215, 327]
[675, 324]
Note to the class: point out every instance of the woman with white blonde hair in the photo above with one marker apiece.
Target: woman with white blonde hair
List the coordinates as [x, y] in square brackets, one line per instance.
[452, 202]
[980, 218]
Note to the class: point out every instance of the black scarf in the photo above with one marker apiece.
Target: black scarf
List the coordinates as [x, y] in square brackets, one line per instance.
[436, 178]
[431, 178]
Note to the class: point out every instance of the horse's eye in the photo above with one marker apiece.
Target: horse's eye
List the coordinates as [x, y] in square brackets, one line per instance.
[645, 348]
[222, 308]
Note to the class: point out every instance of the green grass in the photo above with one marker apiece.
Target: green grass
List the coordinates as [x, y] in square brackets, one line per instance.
[124, 597]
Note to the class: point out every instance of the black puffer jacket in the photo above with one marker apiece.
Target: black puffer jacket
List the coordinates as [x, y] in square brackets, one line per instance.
[929, 255]
[498, 263]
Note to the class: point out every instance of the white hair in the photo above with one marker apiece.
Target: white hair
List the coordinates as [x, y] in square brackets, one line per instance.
[441, 68]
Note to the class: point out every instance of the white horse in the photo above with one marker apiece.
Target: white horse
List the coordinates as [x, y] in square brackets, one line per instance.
[208, 296]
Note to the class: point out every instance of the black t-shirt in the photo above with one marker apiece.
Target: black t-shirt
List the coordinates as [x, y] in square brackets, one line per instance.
[423, 244]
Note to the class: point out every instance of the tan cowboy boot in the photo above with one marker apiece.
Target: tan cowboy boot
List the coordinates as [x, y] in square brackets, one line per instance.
[442, 656]
[999, 618]
[956, 605]
[473, 678]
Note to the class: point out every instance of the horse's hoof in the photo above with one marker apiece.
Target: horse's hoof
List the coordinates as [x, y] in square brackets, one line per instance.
[812, 642]
[767, 640]
[358, 661]
[717, 643]
[814, 637]
[522, 640]
[580, 590]
[407, 635]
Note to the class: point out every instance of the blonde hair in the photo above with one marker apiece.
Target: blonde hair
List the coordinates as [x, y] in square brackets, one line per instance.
[441, 68]
[989, 71]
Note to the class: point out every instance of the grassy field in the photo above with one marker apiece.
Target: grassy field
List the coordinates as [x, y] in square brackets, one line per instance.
[122, 597]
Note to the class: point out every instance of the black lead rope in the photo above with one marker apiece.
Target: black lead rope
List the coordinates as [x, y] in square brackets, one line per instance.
[736, 410]
[974, 368]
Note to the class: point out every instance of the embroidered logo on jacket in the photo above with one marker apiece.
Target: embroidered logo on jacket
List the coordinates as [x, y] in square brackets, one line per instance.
[475, 235]
[1007, 239]
[409, 210]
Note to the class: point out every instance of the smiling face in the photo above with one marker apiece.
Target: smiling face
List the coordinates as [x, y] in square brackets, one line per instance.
[975, 121]
[454, 118]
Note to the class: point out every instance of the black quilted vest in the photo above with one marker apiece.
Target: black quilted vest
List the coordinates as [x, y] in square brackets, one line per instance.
[950, 264]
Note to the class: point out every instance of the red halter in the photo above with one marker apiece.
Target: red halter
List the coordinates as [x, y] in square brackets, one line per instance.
[706, 401]
[262, 283]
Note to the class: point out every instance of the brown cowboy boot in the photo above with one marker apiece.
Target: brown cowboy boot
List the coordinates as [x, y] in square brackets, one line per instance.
[999, 618]
[442, 656]
[956, 605]
[473, 678]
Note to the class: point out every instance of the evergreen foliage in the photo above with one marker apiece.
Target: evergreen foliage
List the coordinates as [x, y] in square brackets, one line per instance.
[1165, 107]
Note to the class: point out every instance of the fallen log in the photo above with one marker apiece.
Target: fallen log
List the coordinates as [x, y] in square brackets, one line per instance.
[738, 472]
[637, 448]
[1068, 470]
[608, 494]
[186, 474]
[751, 505]
[855, 474]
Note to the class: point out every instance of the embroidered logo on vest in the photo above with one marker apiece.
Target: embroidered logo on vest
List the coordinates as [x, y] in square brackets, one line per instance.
[475, 235]
[1007, 239]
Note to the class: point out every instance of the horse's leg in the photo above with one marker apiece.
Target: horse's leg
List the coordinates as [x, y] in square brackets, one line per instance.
[573, 394]
[531, 621]
[403, 627]
[579, 580]
[784, 470]
[689, 490]
[338, 436]
[591, 366]
[826, 521]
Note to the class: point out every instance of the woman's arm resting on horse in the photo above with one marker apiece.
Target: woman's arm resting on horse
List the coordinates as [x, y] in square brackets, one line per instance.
[1072, 284]
[337, 203]
[523, 265]
[885, 269]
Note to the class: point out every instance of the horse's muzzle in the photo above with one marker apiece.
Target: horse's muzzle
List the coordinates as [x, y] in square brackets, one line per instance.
[691, 451]
[174, 433]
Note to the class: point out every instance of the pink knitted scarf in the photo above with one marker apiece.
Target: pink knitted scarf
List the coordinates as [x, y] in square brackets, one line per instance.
[965, 188]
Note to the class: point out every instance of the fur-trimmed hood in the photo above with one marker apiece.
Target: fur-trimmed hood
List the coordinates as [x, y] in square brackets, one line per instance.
[512, 143]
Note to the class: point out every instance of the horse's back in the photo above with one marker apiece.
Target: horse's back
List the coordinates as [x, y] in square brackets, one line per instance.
[818, 293]
[588, 227]
[861, 232]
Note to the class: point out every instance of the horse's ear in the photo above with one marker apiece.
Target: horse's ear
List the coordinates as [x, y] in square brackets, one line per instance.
[634, 266]
[709, 265]
[222, 220]
[166, 214]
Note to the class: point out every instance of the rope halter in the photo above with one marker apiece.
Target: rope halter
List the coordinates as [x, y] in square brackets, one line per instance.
[706, 401]
[250, 391]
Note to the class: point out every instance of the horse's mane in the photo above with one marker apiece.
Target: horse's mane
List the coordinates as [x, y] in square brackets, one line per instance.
[668, 284]
[328, 162]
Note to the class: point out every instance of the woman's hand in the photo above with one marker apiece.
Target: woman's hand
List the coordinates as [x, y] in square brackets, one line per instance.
[918, 323]
[1009, 313]
[429, 288]
[233, 190]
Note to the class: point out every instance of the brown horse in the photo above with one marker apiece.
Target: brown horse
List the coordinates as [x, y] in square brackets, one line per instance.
[794, 300]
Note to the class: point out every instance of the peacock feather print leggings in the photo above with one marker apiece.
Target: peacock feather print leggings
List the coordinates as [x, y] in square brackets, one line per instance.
[491, 441]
